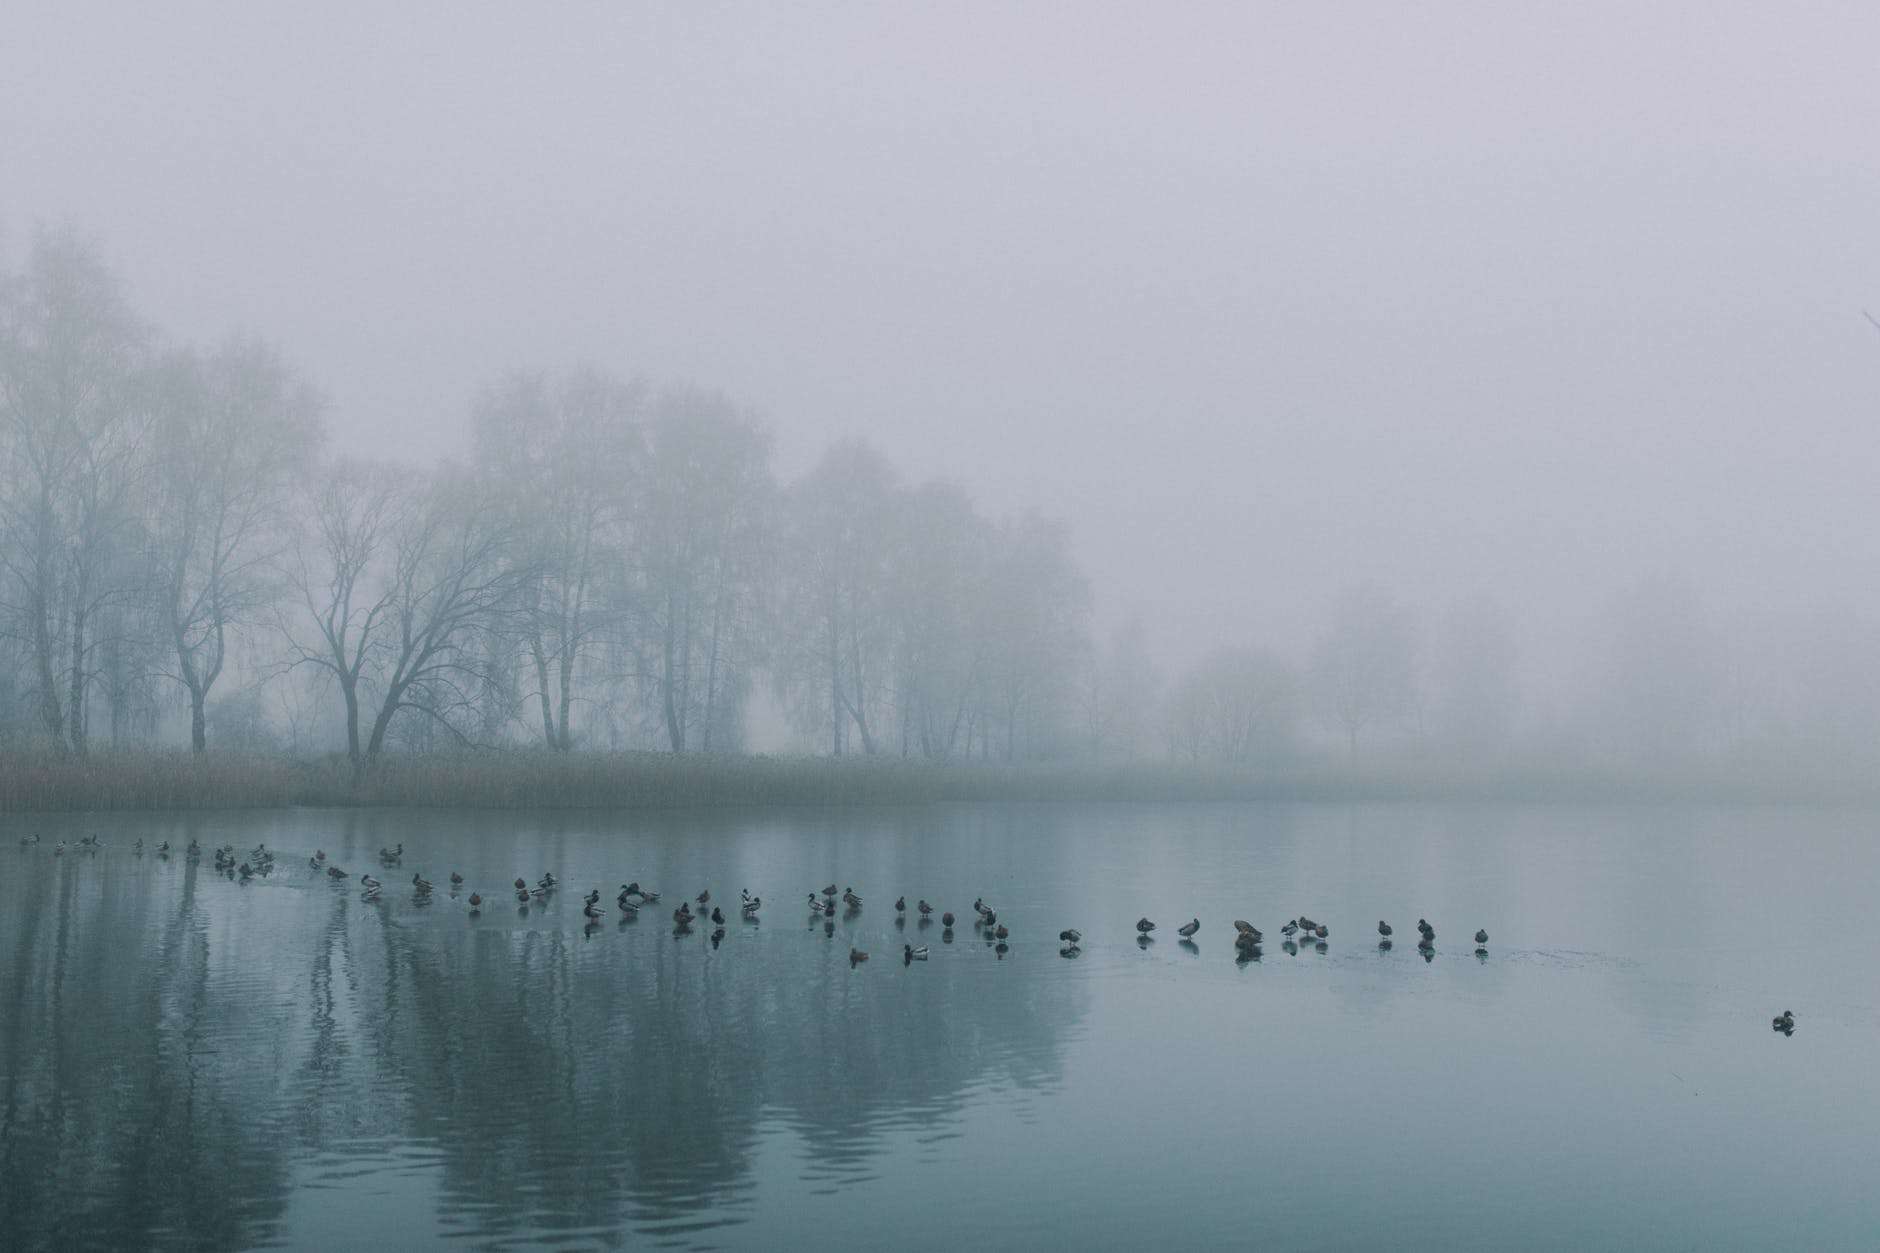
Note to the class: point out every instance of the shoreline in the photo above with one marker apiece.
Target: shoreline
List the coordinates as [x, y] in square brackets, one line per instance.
[161, 781]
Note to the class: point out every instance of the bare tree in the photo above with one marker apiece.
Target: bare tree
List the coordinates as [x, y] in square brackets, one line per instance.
[234, 430]
[73, 456]
[341, 598]
[1235, 706]
[569, 452]
[1364, 663]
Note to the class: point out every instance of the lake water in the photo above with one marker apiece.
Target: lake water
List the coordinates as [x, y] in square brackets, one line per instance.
[193, 1062]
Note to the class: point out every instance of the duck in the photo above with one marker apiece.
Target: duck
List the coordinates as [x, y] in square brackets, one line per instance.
[980, 907]
[522, 884]
[850, 899]
[334, 872]
[476, 901]
[367, 881]
[420, 884]
[704, 897]
[1429, 932]
[718, 916]
[163, 849]
[1290, 929]
[924, 908]
[1070, 950]
[1187, 930]
[138, 848]
[319, 854]
[946, 920]
[626, 905]
[27, 841]
[815, 906]
[391, 855]
[1306, 924]
[1144, 926]
[857, 957]
[1481, 936]
[1247, 940]
[900, 904]
[830, 890]
[1070, 935]
[751, 905]
[369, 894]
[1001, 932]
[911, 954]
[456, 880]
[547, 880]
[682, 915]
[1383, 929]
[591, 910]
[1320, 932]
[988, 918]
[1784, 1021]
[522, 895]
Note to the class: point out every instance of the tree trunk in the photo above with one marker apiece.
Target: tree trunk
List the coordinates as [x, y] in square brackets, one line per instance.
[75, 702]
[198, 723]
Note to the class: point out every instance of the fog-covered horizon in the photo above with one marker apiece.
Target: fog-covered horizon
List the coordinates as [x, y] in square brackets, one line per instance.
[1537, 307]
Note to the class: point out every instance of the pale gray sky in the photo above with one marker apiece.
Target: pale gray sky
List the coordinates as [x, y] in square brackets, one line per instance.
[1261, 298]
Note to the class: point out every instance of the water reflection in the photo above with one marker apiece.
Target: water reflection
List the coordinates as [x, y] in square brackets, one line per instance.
[178, 1051]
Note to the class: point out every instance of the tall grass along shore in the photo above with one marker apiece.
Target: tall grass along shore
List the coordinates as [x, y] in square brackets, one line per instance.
[48, 782]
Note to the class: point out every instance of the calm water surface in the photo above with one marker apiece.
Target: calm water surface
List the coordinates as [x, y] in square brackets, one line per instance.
[192, 1062]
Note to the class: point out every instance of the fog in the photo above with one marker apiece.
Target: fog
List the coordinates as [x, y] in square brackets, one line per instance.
[1538, 339]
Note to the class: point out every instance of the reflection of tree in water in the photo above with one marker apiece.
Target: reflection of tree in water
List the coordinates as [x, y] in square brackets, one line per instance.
[174, 1046]
[131, 1105]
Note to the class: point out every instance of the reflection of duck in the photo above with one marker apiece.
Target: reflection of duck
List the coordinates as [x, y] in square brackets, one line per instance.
[1069, 950]
[1187, 930]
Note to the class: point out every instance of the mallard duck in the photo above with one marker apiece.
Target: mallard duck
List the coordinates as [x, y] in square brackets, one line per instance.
[476, 901]
[718, 916]
[830, 890]
[627, 905]
[1481, 936]
[910, 953]
[456, 880]
[924, 907]
[1144, 926]
[682, 915]
[1784, 1021]
[334, 872]
[850, 899]
[1290, 929]
[1428, 931]
[988, 918]
[1306, 924]
[1383, 929]
[592, 910]
[420, 883]
[547, 880]
[752, 904]
[980, 907]
[856, 956]
[1070, 935]
[522, 895]
[704, 898]
[1001, 932]
[367, 881]
[946, 920]
[900, 904]
[163, 849]
[1187, 930]
[1320, 931]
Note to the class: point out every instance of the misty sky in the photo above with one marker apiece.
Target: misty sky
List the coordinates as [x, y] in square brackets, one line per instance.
[1510, 298]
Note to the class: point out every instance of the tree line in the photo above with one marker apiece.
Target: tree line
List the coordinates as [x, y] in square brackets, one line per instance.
[618, 564]
[613, 564]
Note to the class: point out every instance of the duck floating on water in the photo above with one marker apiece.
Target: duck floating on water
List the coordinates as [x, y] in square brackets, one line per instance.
[1383, 929]
[1144, 926]
[857, 957]
[1784, 1021]
[1187, 930]
[924, 907]
[1071, 935]
[900, 904]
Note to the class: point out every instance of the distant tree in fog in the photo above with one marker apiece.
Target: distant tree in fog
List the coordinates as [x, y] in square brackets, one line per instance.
[835, 628]
[71, 464]
[1364, 664]
[703, 546]
[1477, 689]
[234, 430]
[1120, 687]
[1236, 706]
[566, 455]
